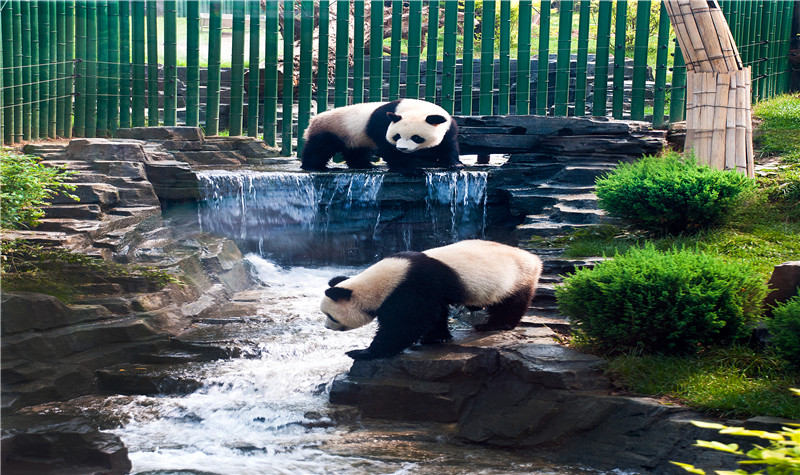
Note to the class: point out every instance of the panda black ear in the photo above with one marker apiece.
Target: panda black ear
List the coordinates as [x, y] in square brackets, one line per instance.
[338, 293]
[435, 119]
[337, 279]
[394, 117]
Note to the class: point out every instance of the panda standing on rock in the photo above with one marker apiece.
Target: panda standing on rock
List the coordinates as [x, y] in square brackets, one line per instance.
[409, 293]
[407, 133]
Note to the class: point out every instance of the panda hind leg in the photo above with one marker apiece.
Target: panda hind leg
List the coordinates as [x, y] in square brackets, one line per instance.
[319, 149]
[507, 313]
[440, 332]
[358, 157]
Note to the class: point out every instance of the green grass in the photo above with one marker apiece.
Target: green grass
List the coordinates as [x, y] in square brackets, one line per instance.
[732, 382]
[780, 122]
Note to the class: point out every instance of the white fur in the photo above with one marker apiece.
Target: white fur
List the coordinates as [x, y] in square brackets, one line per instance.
[370, 289]
[413, 113]
[348, 122]
[490, 271]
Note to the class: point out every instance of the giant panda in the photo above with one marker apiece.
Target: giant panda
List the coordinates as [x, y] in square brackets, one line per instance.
[409, 293]
[407, 133]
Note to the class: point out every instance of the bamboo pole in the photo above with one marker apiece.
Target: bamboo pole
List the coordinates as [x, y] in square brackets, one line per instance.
[323, 50]
[34, 22]
[618, 92]
[25, 15]
[304, 89]
[271, 73]
[288, 72]
[414, 45]
[394, 56]
[138, 99]
[467, 57]
[237, 70]
[358, 55]
[214, 49]
[449, 57]
[61, 54]
[16, 12]
[44, 68]
[563, 58]
[659, 93]
[102, 69]
[91, 70]
[375, 51]
[193, 64]
[487, 59]
[600, 86]
[342, 55]
[431, 63]
[112, 86]
[254, 70]
[152, 63]
[170, 62]
[124, 64]
[69, 67]
[52, 110]
[523, 97]
[504, 80]
[8, 75]
[543, 61]
[640, 59]
[2, 89]
[583, 58]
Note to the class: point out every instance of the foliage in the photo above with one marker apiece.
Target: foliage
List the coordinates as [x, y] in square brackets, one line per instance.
[25, 186]
[62, 273]
[777, 132]
[780, 457]
[784, 329]
[674, 302]
[728, 382]
[670, 195]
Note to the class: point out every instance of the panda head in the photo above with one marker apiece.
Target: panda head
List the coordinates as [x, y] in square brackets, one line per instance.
[416, 125]
[342, 308]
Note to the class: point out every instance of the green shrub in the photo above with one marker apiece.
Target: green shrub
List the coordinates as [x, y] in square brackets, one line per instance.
[25, 186]
[669, 194]
[675, 302]
[784, 328]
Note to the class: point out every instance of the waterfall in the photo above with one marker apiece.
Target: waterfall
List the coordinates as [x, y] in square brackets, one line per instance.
[456, 203]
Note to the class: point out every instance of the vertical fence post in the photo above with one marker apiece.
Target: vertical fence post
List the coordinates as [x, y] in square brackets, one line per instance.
[44, 68]
[193, 63]
[394, 54]
[375, 51]
[271, 72]
[600, 86]
[414, 48]
[618, 93]
[91, 70]
[102, 68]
[467, 61]
[170, 62]
[640, 59]
[322, 66]
[112, 87]
[212, 85]
[543, 60]
[449, 56]
[34, 22]
[583, 58]
[342, 54]
[237, 70]
[358, 52]
[137, 112]
[8, 74]
[504, 79]
[288, 72]
[124, 64]
[487, 58]
[659, 93]
[304, 89]
[522, 106]
[52, 110]
[2, 88]
[253, 79]
[69, 65]
[61, 55]
[25, 24]
[431, 64]
[563, 59]
[152, 63]
[677, 97]
[16, 12]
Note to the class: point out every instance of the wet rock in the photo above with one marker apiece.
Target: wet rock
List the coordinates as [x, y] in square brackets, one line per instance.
[144, 379]
[26, 311]
[53, 444]
[104, 149]
[173, 180]
[785, 282]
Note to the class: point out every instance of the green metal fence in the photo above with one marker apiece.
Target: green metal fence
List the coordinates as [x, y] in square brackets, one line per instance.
[87, 67]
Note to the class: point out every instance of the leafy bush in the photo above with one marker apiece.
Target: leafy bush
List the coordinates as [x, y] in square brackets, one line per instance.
[669, 194]
[780, 457]
[25, 186]
[784, 328]
[675, 302]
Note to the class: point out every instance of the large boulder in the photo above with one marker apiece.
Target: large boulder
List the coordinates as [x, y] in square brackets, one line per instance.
[104, 149]
[161, 133]
[785, 283]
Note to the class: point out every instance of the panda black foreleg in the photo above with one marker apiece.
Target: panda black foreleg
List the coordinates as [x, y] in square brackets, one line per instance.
[387, 342]
[440, 333]
[507, 313]
[402, 320]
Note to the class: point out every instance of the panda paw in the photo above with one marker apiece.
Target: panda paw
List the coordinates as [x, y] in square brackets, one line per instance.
[360, 355]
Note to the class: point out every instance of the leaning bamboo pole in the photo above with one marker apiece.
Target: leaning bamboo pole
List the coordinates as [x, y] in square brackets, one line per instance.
[718, 115]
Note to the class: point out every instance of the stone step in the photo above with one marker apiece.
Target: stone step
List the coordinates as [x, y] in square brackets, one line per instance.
[47, 238]
[76, 211]
[43, 148]
[581, 175]
[565, 266]
[543, 226]
[534, 202]
[227, 157]
[566, 213]
[70, 226]
[148, 379]
[90, 193]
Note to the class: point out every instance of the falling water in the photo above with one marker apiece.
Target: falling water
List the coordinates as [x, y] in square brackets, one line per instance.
[463, 195]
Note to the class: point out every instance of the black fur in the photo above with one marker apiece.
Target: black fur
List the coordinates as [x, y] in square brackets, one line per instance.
[337, 279]
[507, 313]
[338, 293]
[321, 147]
[417, 309]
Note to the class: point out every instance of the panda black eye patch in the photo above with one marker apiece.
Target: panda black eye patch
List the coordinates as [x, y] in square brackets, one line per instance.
[417, 139]
[396, 137]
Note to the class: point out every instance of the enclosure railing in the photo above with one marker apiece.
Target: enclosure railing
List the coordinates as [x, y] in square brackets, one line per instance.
[85, 68]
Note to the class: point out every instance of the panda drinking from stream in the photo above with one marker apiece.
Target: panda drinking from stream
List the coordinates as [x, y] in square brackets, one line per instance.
[409, 293]
[408, 134]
